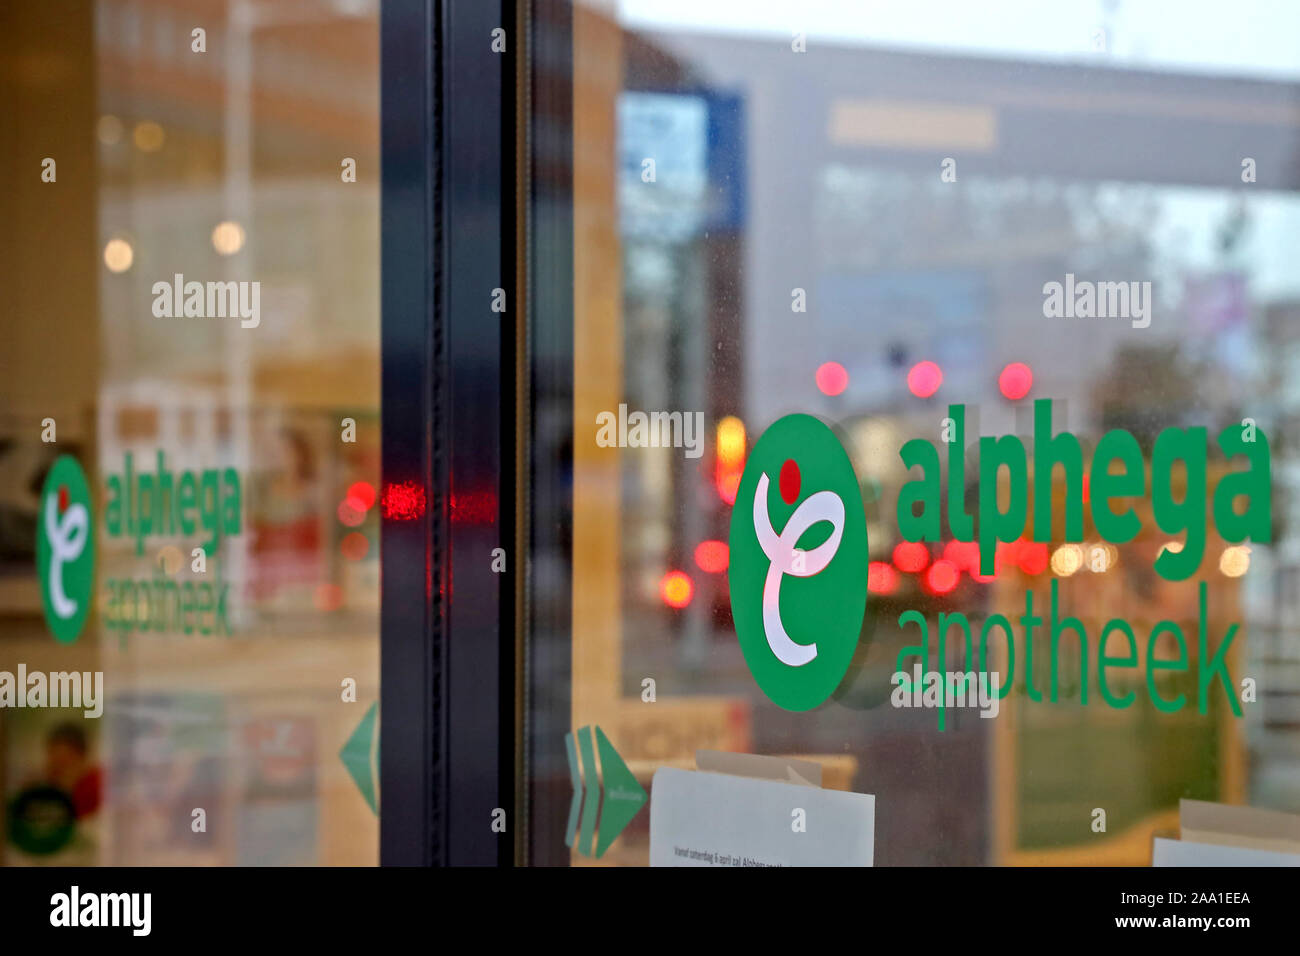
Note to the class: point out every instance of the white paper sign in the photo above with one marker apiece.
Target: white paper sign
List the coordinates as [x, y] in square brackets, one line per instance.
[714, 819]
[1182, 853]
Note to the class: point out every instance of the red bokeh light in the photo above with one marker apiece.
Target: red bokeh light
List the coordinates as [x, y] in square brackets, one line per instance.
[728, 485]
[924, 379]
[354, 546]
[349, 514]
[403, 501]
[911, 556]
[965, 555]
[1015, 381]
[881, 577]
[361, 494]
[712, 556]
[832, 378]
[1033, 557]
[473, 507]
[676, 589]
[942, 576]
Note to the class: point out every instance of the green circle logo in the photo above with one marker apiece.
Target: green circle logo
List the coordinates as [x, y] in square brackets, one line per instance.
[65, 549]
[798, 570]
[42, 820]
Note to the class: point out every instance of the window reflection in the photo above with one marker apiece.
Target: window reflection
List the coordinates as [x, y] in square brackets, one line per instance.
[228, 431]
[866, 235]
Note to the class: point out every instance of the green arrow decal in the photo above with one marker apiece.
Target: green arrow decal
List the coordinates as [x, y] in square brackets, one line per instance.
[624, 796]
[356, 755]
[613, 794]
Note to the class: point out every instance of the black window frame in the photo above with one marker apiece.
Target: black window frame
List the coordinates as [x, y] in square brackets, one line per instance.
[448, 671]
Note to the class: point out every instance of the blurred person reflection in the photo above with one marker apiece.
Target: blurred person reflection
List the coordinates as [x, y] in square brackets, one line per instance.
[69, 768]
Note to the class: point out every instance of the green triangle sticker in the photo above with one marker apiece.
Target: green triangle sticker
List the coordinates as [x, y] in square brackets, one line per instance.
[623, 795]
[356, 755]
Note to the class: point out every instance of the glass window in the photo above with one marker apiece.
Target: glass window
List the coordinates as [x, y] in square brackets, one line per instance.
[879, 223]
[191, 436]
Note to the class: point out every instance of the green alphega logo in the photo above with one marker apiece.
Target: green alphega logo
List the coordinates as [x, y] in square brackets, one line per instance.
[798, 594]
[65, 549]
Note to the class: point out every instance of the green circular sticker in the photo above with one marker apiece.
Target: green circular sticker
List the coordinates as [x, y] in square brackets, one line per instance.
[42, 820]
[65, 549]
[798, 570]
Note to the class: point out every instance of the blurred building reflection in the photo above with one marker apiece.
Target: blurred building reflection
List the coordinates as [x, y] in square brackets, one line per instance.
[799, 245]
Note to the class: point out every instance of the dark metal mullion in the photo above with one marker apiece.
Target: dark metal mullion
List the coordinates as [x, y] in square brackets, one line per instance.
[449, 419]
[477, 180]
[412, 759]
